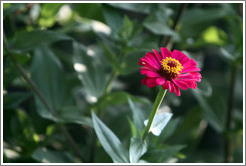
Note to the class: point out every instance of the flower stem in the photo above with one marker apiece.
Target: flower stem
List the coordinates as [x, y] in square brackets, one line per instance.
[228, 144]
[155, 107]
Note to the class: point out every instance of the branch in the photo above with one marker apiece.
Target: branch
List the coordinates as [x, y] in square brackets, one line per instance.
[167, 40]
[42, 98]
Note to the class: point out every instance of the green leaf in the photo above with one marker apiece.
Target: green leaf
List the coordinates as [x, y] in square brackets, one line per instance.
[129, 29]
[119, 97]
[49, 156]
[113, 19]
[201, 19]
[109, 141]
[13, 100]
[214, 109]
[23, 132]
[159, 123]
[170, 129]
[91, 71]
[48, 14]
[48, 74]
[10, 8]
[89, 10]
[26, 41]
[137, 114]
[158, 23]
[73, 115]
[137, 149]
[135, 7]
[163, 155]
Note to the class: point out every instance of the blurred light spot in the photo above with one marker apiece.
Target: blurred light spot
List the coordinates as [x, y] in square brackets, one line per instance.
[100, 27]
[173, 160]
[80, 67]
[203, 124]
[64, 13]
[11, 153]
[44, 160]
[91, 99]
[34, 12]
[90, 52]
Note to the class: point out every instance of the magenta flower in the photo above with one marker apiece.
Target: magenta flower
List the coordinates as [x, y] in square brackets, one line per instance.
[171, 70]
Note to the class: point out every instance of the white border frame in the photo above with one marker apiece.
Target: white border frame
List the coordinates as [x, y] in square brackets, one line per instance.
[122, 163]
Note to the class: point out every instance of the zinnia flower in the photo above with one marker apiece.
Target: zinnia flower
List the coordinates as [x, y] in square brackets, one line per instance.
[171, 70]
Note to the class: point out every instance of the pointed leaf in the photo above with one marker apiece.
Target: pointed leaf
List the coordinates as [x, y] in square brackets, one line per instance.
[159, 123]
[137, 149]
[109, 141]
[50, 156]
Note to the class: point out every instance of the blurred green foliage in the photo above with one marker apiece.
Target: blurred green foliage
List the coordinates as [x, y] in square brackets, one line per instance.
[84, 60]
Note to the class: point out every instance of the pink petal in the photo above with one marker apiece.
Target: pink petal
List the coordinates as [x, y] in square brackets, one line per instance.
[151, 57]
[192, 84]
[149, 73]
[189, 63]
[190, 76]
[181, 57]
[181, 84]
[143, 81]
[165, 53]
[176, 90]
[160, 81]
[166, 85]
[171, 87]
[158, 56]
[150, 82]
[190, 69]
[144, 62]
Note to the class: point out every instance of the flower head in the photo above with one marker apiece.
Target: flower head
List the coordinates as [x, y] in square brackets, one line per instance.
[171, 70]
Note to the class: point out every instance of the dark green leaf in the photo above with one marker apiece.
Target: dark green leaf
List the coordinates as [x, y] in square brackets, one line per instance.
[113, 19]
[12, 100]
[163, 155]
[137, 149]
[91, 70]
[73, 115]
[201, 19]
[109, 141]
[47, 73]
[214, 109]
[135, 7]
[26, 41]
[119, 97]
[158, 23]
[49, 156]
[89, 10]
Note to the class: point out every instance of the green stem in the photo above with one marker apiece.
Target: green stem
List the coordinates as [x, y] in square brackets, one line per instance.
[228, 143]
[113, 75]
[155, 107]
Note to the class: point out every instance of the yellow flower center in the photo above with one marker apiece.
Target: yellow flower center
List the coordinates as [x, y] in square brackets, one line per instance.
[171, 67]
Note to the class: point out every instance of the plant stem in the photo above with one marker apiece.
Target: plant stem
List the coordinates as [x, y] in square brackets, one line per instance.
[167, 40]
[113, 75]
[228, 144]
[155, 107]
[42, 98]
